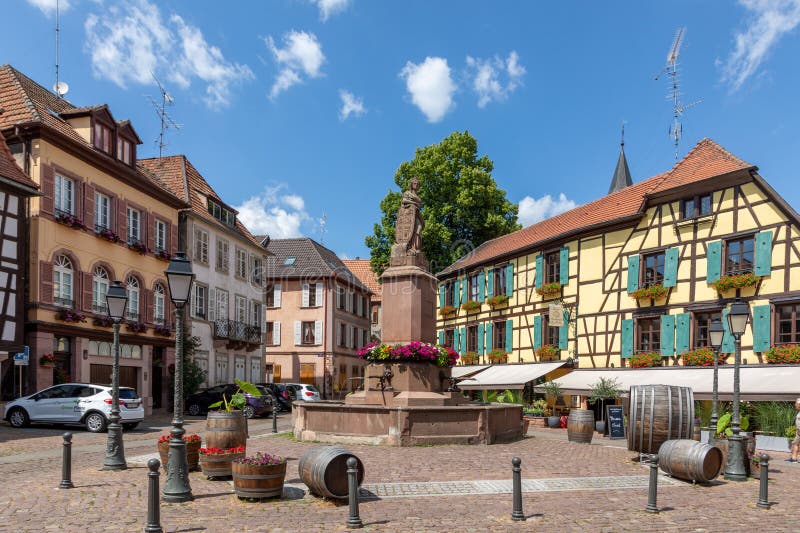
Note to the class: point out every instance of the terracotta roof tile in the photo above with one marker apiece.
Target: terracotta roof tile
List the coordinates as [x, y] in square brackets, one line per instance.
[706, 160]
[363, 271]
[9, 168]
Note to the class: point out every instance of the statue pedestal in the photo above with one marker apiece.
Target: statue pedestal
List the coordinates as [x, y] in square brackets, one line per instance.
[408, 384]
[408, 304]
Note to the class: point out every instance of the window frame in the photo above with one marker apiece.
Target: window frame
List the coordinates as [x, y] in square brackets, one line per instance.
[549, 336]
[105, 140]
[159, 304]
[450, 338]
[240, 256]
[701, 323]
[499, 274]
[160, 235]
[63, 275]
[134, 290]
[499, 336]
[307, 327]
[697, 206]
[131, 238]
[125, 150]
[654, 331]
[450, 293]
[552, 267]
[222, 255]
[742, 239]
[100, 213]
[794, 322]
[660, 259]
[196, 299]
[474, 286]
[472, 338]
[201, 245]
[100, 278]
[59, 197]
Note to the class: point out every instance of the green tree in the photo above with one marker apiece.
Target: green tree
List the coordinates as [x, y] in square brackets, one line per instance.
[193, 375]
[461, 204]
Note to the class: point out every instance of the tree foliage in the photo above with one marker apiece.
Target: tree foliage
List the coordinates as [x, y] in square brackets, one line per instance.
[193, 375]
[461, 204]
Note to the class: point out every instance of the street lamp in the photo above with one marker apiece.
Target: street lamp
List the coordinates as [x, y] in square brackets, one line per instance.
[179, 279]
[116, 300]
[716, 332]
[738, 315]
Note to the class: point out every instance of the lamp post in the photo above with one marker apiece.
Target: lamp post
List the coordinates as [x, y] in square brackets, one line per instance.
[738, 315]
[116, 300]
[716, 332]
[179, 279]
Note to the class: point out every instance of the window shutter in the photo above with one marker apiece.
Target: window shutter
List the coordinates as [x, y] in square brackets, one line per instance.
[48, 190]
[537, 332]
[86, 291]
[761, 327]
[276, 333]
[727, 337]
[318, 332]
[338, 334]
[360, 306]
[563, 266]
[633, 273]
[563, 333]
[441, 337]
[671, 267]
[318, 294]
[349, 334]
[456, 341]
[713, 261]
[539, 270]
[277, 294]
[122, 220]
[490, 290]
[150, 306]
[683, 326]
[489, 339]
[88, 206]
[172, 232]
[481, 286]
[441, 295]
[509, 335]
[305, 295]
[627, 338]
[481, 340]
[763, 253]
[463, 340]
[465, 289]
[298, 336]
[149, 229]
[667, 336]
[510, 280]
[456, 293]
[212, 304]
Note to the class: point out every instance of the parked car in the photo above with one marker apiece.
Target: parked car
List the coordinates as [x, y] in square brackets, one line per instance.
[197, 403]
[75, 403]
[280, 393]
[303, 392]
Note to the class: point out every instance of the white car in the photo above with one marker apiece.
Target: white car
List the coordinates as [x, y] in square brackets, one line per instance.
[75, 403]
[303, 392]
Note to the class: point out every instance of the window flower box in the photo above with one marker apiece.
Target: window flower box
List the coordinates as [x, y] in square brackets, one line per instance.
[784, 354]
[741, 281]
[470, 358]
[498, 356]
[163, 255]
[549, 290]
[699, 357]
[447, 310]
[70, 221]
[139, 247]
[103, 321]
[68, 315]
[548, 352]
[136, 327]
[108, 235]
[470, 306]
[164, 331]
[497, 301]
[646, 360]
[653, 292]
[47, 359]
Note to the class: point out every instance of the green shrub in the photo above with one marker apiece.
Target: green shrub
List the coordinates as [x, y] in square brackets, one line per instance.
[773, 417]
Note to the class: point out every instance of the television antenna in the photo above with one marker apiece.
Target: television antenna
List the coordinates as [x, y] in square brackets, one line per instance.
[60, 87]
[163, 116]
[678, 108]
[323, 227]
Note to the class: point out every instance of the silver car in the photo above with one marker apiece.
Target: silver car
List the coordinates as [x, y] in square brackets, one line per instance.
[303, 392]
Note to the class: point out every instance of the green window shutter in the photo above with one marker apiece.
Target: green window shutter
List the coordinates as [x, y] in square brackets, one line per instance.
[510, 280]
[683, 325]
[463, 340]
[563, 266]
[667, 336]
[763, 253]
[489, 329]
[633, 273]
[481, 288]
[537, 332]
[563, 333]
[465, 290]
[627, 338]
[671, 267]
[713, 261]
[481, 341]
[456, 293]
[441, 337]
[539, 270]
[509, 335]
[761, 327]
[490, 291]
[727, 337]
[441, 295]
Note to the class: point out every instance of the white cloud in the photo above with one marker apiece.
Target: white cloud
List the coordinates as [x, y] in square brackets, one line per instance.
[301, 55]
[486, 77]
[48, 7]
[532, 210]
[330, 7]
[768, 22]
[273, 214]
[351, 105]
[430, 86]
[130, 42]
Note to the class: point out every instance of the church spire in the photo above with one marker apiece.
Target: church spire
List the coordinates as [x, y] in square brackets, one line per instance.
[622, 175]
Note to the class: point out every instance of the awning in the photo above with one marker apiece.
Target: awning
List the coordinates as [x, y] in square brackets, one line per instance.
[756, 382]
[465, 371]
[508, 376]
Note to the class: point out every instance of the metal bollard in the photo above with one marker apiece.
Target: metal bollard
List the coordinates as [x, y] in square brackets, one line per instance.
[275, 417]
[652, 493]
[763, 497]
[153, 502]
[353, 521]
[516, 476]
[66, 463]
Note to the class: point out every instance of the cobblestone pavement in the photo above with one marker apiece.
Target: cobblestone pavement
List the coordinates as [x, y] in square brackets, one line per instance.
[598, 488]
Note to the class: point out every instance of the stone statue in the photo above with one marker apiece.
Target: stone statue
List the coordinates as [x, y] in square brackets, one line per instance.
[408, 229]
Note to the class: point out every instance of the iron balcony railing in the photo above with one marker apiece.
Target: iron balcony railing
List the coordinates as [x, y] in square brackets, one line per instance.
[237, 331]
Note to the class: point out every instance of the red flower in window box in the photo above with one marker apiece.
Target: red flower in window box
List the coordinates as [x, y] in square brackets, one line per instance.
[548, 352]
[68, 315]
[108, 235]
[163, 255]
[699, 357]
[498, 356]
[165, 331]
[497, 301]
[447, 310]
[470, 306]
[654, 292]
[646, 360]
[136, 327]
[139, 247]
[548, 290]
[70, 220]
[726, 283]
[470, 358]
[784, 354]
[47, 359]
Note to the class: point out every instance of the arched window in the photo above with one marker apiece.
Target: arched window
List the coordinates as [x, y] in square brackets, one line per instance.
[62, 281]
[100, 283]
[133, 298]
[158, 304]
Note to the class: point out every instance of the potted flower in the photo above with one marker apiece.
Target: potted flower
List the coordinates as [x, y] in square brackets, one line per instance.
[68, 315]
[136, 327]
[139, 247]
[163, 255]
[600, 391]
[549, 290]
[447, 310]
[699, 357]
[47, 359]
[470, 358]
[652, 292]
[740, 281]
[535, 413]
[416, 351]
[164, 331]
[498, 356]
[103, 321]
[548, 352]
[471, 305]
[646, 360]
[785, 354]
[552, 390]
[258, 476]
[192, 450]
[226, 423]
[108, 235]
[70, 221]
[497, 301]
[216, 462]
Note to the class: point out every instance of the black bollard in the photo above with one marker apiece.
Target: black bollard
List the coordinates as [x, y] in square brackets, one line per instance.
[275, 417]
[153, 502]
[652, 493]
[516, 476]
[66, 463]
[353, 521]
[763, 473]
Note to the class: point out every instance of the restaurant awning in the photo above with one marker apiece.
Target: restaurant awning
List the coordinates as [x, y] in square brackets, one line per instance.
[508, 376]
[465, 371]
[756, 382]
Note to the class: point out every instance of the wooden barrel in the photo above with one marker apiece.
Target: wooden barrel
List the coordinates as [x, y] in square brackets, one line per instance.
[218, 465]
[696, 432]
[225, 430]
[192, 454]
[659, 413]
[258, 481]
[324, 470]
[690, 460]
[580, 426]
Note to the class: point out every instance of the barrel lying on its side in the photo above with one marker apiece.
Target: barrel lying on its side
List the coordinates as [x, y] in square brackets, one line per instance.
[690, 460]
[324, 470]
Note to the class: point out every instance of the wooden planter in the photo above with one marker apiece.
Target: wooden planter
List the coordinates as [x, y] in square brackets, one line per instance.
[537, 421]
[192, 454]
[258, 481]
[218, 465]
[226, 429]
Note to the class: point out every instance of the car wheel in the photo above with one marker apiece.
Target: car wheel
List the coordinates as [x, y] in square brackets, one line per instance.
[130, 426]
[18, 418]
[249, 412]
[95, 422]
[194, 409]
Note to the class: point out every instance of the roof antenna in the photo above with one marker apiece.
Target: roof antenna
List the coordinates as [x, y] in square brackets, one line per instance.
[60, 87]
[323, 227]
[622, 136]
[676, 129]
[163, 116]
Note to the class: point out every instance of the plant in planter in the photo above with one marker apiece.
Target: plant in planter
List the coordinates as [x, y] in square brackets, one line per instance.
[498, 356]
[163, 255]
[447, 310]
[192, 450]
[549, 290]
[139, 247]
[164, 331]
[108, 235]
[258, 476]
[699, 357]
[726, 283]
[654, 292]
[548, 352]
[136, 327]
[471, 305]
[47, 359]
[646, 360]
[470, 358]
[70, 220]
[497, 301]
[103, 321]
[724, 424]
[216, 462]
[785, 354]
[416, 351]
[68, 315]
[552, 390]
[601, 390]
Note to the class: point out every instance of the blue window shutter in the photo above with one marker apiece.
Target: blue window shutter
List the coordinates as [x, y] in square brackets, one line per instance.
[563, 333]
[671, 267]
[456, 293]
[510, 280]
[481, 287]
[465, 289]
[667, 336]
[539, 270]
[727, 337]
[633, 273]
[683, 325]
[763, 253]
[537, 332]
[457, 340]
[481, 341]
[627, 338]
[463, 340]
[490, 291]
[489, 328]
[441, 295]
[761, 327]
[563, 266]
[713, 261]
[509, 335]
[441, 337]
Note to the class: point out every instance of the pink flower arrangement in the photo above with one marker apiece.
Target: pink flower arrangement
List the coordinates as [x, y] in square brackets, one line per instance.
[443, 356]
[261, 459]
[220, 451]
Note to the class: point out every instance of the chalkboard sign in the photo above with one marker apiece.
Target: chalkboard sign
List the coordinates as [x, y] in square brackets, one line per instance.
[615, 422]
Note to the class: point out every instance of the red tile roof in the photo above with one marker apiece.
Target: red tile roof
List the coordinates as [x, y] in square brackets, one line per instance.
[9, 168]
[363, 271]
[706, 160]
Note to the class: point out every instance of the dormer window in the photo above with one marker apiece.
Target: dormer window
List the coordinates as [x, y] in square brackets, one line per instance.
[697, 206]
[125, 150]
[102, 137]
[222, 214]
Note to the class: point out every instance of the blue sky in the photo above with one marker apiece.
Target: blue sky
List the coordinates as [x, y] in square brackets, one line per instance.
[298, 109]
